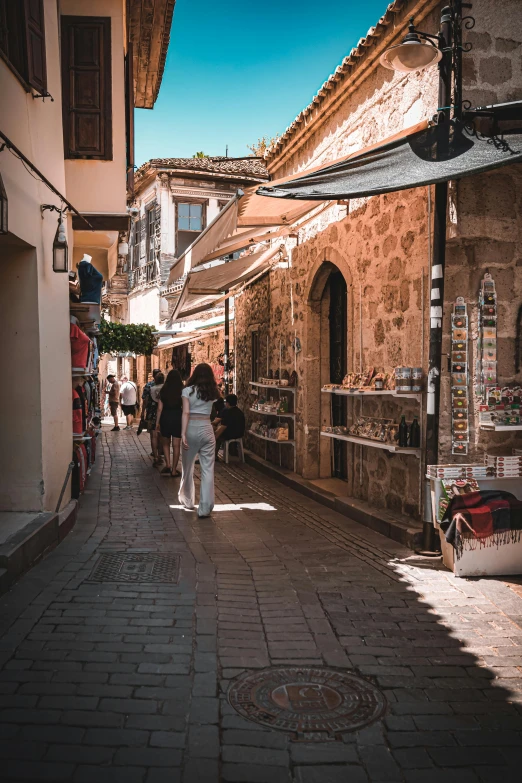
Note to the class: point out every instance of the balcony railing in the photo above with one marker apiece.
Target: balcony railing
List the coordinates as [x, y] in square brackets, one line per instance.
[144, 276]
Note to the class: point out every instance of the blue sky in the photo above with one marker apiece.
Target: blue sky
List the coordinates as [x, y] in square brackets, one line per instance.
[238, 70]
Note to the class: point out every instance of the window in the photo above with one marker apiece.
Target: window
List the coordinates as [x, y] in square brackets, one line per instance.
[190, 217]
[87, 87]
[190, 222]
[222, 205]
[151, 230]
[22, 41]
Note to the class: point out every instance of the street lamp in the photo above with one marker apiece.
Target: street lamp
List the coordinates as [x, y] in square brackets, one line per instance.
[60, 248]
[417, 51]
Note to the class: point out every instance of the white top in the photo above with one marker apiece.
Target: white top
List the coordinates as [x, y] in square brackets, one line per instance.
[128, 393]
[196, 404]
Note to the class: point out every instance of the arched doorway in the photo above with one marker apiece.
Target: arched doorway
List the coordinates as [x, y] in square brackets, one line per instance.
[338, 321]
[328, 320]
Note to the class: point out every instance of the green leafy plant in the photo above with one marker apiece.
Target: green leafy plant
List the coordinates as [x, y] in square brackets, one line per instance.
[200, 155]
[126, 338]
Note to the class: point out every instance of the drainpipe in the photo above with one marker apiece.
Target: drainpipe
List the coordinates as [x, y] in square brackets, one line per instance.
[438, 262]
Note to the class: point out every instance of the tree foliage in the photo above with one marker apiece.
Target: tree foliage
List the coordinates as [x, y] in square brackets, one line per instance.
[258, 149]
[126, 338]
[200, 155]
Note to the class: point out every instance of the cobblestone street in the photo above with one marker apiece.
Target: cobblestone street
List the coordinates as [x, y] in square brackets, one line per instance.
[128, 681]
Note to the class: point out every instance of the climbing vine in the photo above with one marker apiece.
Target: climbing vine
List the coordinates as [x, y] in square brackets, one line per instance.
[126, 338]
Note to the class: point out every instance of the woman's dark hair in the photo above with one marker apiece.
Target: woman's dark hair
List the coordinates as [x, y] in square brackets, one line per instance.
[204, 382]
[170, 393]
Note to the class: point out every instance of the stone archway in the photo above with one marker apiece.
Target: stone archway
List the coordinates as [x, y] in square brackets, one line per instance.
[316, 452]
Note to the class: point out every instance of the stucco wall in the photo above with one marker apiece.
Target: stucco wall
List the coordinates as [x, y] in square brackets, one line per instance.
[36, 436]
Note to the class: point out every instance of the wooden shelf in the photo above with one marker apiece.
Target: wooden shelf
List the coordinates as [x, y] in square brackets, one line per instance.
[272, 440]
[375, 444]
[268, 386]
[501, 427]
[266, 413]
[361, 394]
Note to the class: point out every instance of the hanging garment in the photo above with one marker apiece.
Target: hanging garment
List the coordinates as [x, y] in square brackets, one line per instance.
[80, 344]
[83, 400]
[77, 417]
[91, 282]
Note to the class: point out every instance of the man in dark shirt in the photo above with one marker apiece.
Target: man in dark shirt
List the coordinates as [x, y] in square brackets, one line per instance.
[230, 422]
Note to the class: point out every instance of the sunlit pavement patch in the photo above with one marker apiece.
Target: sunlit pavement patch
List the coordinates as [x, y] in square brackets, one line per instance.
[315, 704]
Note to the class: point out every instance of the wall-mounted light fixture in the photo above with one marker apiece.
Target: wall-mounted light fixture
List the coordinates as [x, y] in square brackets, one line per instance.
[60, 246]
[3, 208]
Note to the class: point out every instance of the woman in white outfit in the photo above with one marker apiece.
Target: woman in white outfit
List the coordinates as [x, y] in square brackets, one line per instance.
[197, 437]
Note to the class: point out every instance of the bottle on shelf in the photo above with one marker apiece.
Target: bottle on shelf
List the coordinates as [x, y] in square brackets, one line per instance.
[403, 433]
[415, 436]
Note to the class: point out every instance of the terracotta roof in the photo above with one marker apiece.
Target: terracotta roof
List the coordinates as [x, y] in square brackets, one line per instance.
[149, 26]
[341, 73]
[251, 169]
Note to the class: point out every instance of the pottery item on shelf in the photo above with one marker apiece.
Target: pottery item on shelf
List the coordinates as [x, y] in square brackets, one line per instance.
[293, 378]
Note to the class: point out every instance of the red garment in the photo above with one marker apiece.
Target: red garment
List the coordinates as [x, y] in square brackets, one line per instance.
[80, 344]
[77, 417]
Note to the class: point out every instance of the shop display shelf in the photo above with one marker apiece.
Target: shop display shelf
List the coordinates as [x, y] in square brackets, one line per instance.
[361, 394]
[373, 444]
[272, 440]
[268, 386]
[280, 415]
[501, 427]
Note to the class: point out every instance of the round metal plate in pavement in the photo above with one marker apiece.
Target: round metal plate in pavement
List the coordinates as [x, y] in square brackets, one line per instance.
[313, 703]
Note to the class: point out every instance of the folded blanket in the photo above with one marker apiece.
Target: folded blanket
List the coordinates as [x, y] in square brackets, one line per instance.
[490, 517]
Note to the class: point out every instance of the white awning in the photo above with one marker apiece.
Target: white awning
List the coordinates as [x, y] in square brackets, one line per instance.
[245, 220]
[182, 338]
[205, 288]
[221, 227]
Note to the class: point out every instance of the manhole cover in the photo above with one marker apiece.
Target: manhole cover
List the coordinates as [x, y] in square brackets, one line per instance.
[315, 704]
[136, 567]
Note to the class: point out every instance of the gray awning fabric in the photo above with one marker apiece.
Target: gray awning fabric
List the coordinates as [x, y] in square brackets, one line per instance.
[206, 288]
[414, 160]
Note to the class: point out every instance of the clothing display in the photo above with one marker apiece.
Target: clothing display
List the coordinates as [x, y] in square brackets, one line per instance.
[197, 405]
[483, 518]
[91, 282]
[80, 348]
[77, 417]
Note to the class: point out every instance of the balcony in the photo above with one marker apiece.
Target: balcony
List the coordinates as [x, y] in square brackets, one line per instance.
[144, 276]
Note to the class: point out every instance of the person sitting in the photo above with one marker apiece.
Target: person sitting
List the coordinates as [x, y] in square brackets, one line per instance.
[230, 424]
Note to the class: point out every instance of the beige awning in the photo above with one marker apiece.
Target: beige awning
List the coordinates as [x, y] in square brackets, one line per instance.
[206, 288]
[221, 227]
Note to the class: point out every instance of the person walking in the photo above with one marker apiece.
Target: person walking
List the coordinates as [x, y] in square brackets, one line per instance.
[229, 424]
[168, 422]
[129, 398]
[146, 424]
[197, 437]
[114, 401]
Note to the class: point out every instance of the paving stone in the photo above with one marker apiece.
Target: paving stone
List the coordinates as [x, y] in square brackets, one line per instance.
[148, 757]
[94, 774]
[198, 771]
[330, 774]
[250, 773]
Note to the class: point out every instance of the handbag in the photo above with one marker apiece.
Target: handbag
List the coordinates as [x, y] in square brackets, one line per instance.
[141, 427]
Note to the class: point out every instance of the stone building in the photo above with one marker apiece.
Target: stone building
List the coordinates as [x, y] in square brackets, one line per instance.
[356, 293]
[174, 200]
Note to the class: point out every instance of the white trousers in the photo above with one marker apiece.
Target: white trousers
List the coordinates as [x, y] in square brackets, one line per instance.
[201, 440]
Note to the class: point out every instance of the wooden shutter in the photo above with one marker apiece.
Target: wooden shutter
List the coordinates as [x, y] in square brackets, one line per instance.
[129, 116]
[87, 86]
[35, 44]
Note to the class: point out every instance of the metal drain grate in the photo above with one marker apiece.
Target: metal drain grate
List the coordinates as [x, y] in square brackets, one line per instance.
[136, 567]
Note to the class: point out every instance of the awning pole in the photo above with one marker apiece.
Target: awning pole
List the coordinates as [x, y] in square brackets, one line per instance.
[226, 355]
[438, 261]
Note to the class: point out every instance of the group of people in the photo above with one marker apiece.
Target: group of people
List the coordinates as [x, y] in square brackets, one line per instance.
[190, 418]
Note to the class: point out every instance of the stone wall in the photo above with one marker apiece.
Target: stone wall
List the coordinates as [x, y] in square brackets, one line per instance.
[382, 247]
